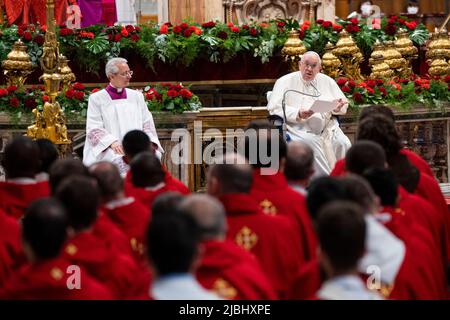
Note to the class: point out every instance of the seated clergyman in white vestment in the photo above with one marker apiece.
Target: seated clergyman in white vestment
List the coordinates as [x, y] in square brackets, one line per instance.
[319, 130]
[112, 112]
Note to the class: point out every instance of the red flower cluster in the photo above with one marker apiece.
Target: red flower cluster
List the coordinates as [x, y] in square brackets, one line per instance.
[76, 92]
[87, 35]
[395, 22]
[353, 26]
[421, 84]
[183, 29]
[31, 33]
[208, 25]
[116, 33]
[64, 32]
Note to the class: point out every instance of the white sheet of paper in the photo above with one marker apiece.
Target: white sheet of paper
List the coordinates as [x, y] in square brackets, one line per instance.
[321, 106]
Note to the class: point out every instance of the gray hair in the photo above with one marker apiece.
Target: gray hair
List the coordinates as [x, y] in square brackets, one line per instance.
[111, 66]
[314, 54]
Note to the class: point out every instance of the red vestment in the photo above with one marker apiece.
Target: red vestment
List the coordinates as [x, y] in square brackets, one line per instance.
[307, 282]
[11, 255]
[233, 273]
[102, 261]
[48, 280]
[415, 159]
[276, 197]
[132, 218]
[106, 230]
[272, 239]
[16, 197]
[33, 11]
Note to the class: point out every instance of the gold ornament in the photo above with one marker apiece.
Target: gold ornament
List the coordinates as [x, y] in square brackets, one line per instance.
[17, 66]
[293, 49]
[349, 55]
[50, 123]
[394, 59]
[67, 75]
[380, 70]
[438, 53]
[405, 46]
[331, 64]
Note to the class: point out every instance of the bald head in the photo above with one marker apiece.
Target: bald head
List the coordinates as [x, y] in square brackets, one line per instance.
[108, 179]
[209, 215]
[232, 175]
[299, 161]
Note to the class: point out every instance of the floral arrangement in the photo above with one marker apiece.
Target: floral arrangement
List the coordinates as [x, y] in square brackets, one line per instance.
[171, 97]
[403, 93]
[16, 102]
[214, 41]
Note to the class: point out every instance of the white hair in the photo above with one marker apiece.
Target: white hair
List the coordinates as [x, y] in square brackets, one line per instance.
[314, 54]
[111, 66]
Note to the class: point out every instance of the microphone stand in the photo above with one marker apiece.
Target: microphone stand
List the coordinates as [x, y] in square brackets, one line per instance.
[283, 104]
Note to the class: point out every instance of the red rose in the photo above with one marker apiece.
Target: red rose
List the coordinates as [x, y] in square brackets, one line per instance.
[27, 36]
[44, 28]
[230, 24]
[95, 90]
[425, 86]
[370, 90]
[223, 35]
[130, 28]
[327, 24]
[124, 32]
[234, 29]
[164, 29]
[30, 103]
[210, 24]
[281, 24]
[39, 39]
[186, 94]
[337, 27]
[3, 93]
[411, 25]
[401, 21]
[358, 97]
[177, 29]
[187, 33]
[301, 34]
[379, 82]
[45, 98]
[78, 86]
[447, 79]
[192, 28]
[319, 21]
[117, 37]
[382, 91]
[341, 81]
[135, 38]
[137, 29]
[352, 84]
[245, 27]
[346, 89]
[184, 25]
[354, 21]
[70, 94]
[390, 29]
[11, 89]
[79, 95]
[14, 102]
[371, 83]
[172, 93]
[20, 32]
[253, 32]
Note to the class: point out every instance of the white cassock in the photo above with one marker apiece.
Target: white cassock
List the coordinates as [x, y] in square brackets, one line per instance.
[126, 13]
[321, 131]
[109, 120]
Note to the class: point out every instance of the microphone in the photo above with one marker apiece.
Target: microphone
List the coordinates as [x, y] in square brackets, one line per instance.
[283, 103]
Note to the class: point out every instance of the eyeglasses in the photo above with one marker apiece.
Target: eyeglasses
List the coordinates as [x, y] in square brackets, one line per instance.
[126, 74]
[307, 65]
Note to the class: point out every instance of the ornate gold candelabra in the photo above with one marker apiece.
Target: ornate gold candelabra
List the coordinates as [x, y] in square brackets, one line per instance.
[17, 67]
[293, 49]
[438, 54]
[330, 63]
[380, 69]
[50, 123]
[350, 56]
[405, 46]
[394, 59]
[67, 75]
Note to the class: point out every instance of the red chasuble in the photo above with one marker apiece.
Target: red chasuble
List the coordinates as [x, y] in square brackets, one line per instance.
[11, 255]
[132, 218]
[307, 282]
[33, 11]
[47, 280]
[415, 159]
[276, 197]
[273, 240]
[102, 261]
[233, 273]
[15, 197]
